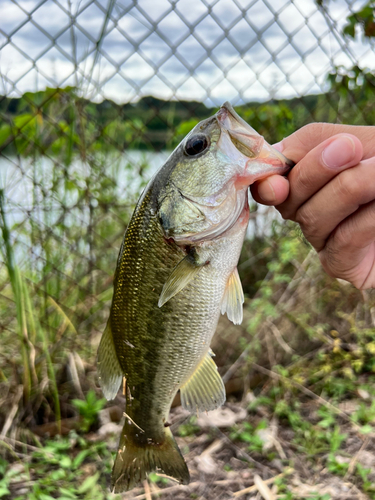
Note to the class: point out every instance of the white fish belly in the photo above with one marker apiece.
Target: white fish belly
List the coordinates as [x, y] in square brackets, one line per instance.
[197, 311]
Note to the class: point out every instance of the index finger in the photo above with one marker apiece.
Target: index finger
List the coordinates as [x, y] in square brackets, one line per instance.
[317, 168]
[298, 144]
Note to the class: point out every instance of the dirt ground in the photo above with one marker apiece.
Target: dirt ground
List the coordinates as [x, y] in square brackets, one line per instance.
[223, 467]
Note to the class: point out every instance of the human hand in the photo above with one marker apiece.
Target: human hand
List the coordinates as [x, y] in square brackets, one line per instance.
[331, 194]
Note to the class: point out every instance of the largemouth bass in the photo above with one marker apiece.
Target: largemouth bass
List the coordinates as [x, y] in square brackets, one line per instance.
[176, 272]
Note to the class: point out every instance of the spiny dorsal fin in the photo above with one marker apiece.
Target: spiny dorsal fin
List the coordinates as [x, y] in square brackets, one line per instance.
[182, 274]
[233, 299]
[204, 390]
[109, 369]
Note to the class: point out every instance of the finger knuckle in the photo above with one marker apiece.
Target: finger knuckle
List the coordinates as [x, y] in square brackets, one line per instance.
[311, 128]
[327, 130]
[308, 221]
[370, 215]
[341, 236]
[347, 185]
[319, 130]
[327, 258]
[305, 180]
[333, 250]
[286, 213]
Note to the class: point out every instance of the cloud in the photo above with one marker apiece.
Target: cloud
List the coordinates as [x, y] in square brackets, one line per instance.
[232, 50]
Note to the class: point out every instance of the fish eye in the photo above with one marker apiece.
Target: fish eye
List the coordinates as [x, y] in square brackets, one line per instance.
[196, 144]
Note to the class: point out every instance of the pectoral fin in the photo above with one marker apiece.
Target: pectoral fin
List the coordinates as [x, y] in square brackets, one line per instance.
[233, 299]
[182, 274]
[109, 370]
[204, 390]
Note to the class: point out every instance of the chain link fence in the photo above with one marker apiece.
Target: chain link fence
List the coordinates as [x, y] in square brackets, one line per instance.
[240, 50]
[94, 94]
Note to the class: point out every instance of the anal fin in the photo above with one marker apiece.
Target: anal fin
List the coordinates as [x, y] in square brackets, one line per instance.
[233, 299]
[204, 390]
[109, 369]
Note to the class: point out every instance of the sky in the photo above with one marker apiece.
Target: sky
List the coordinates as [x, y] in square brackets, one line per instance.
[205, 50]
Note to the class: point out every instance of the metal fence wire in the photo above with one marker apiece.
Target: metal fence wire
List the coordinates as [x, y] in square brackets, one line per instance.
[93, 95]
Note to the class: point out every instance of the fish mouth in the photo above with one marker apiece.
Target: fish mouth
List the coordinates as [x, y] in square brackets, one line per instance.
[248, 142]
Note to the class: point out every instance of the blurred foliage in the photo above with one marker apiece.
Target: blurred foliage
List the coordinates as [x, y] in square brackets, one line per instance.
[356, 85]
[363, 19]
[67, 467]
[57, 122]
[89, 409]
[189, 428]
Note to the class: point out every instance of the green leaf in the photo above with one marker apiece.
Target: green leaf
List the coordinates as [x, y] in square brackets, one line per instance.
[68, 493]
[58, 474]
[366, 429]
[79, 404]
[5, 133]
[4, 491]
[80, 458]
[349, 30]
[88, 483]
[65, 462]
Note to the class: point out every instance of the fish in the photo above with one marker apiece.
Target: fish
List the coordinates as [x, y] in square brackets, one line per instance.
[176, 273]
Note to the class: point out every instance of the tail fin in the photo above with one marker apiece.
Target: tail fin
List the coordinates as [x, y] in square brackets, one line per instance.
[133, 462]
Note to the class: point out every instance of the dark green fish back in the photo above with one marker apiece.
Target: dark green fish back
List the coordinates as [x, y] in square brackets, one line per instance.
[138, 329]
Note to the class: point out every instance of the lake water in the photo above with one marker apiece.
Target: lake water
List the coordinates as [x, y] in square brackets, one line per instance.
[19, 177]
[30, 186]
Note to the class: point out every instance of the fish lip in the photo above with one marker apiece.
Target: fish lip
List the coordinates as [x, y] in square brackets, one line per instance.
[226, 109]
[250, 140]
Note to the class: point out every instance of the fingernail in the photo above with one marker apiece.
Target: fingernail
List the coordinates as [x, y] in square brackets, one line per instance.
[279, 146]
[339, 152]
[266, 192]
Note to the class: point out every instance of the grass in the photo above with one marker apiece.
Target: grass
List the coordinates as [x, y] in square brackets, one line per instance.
[64, 468]
[89, 409]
